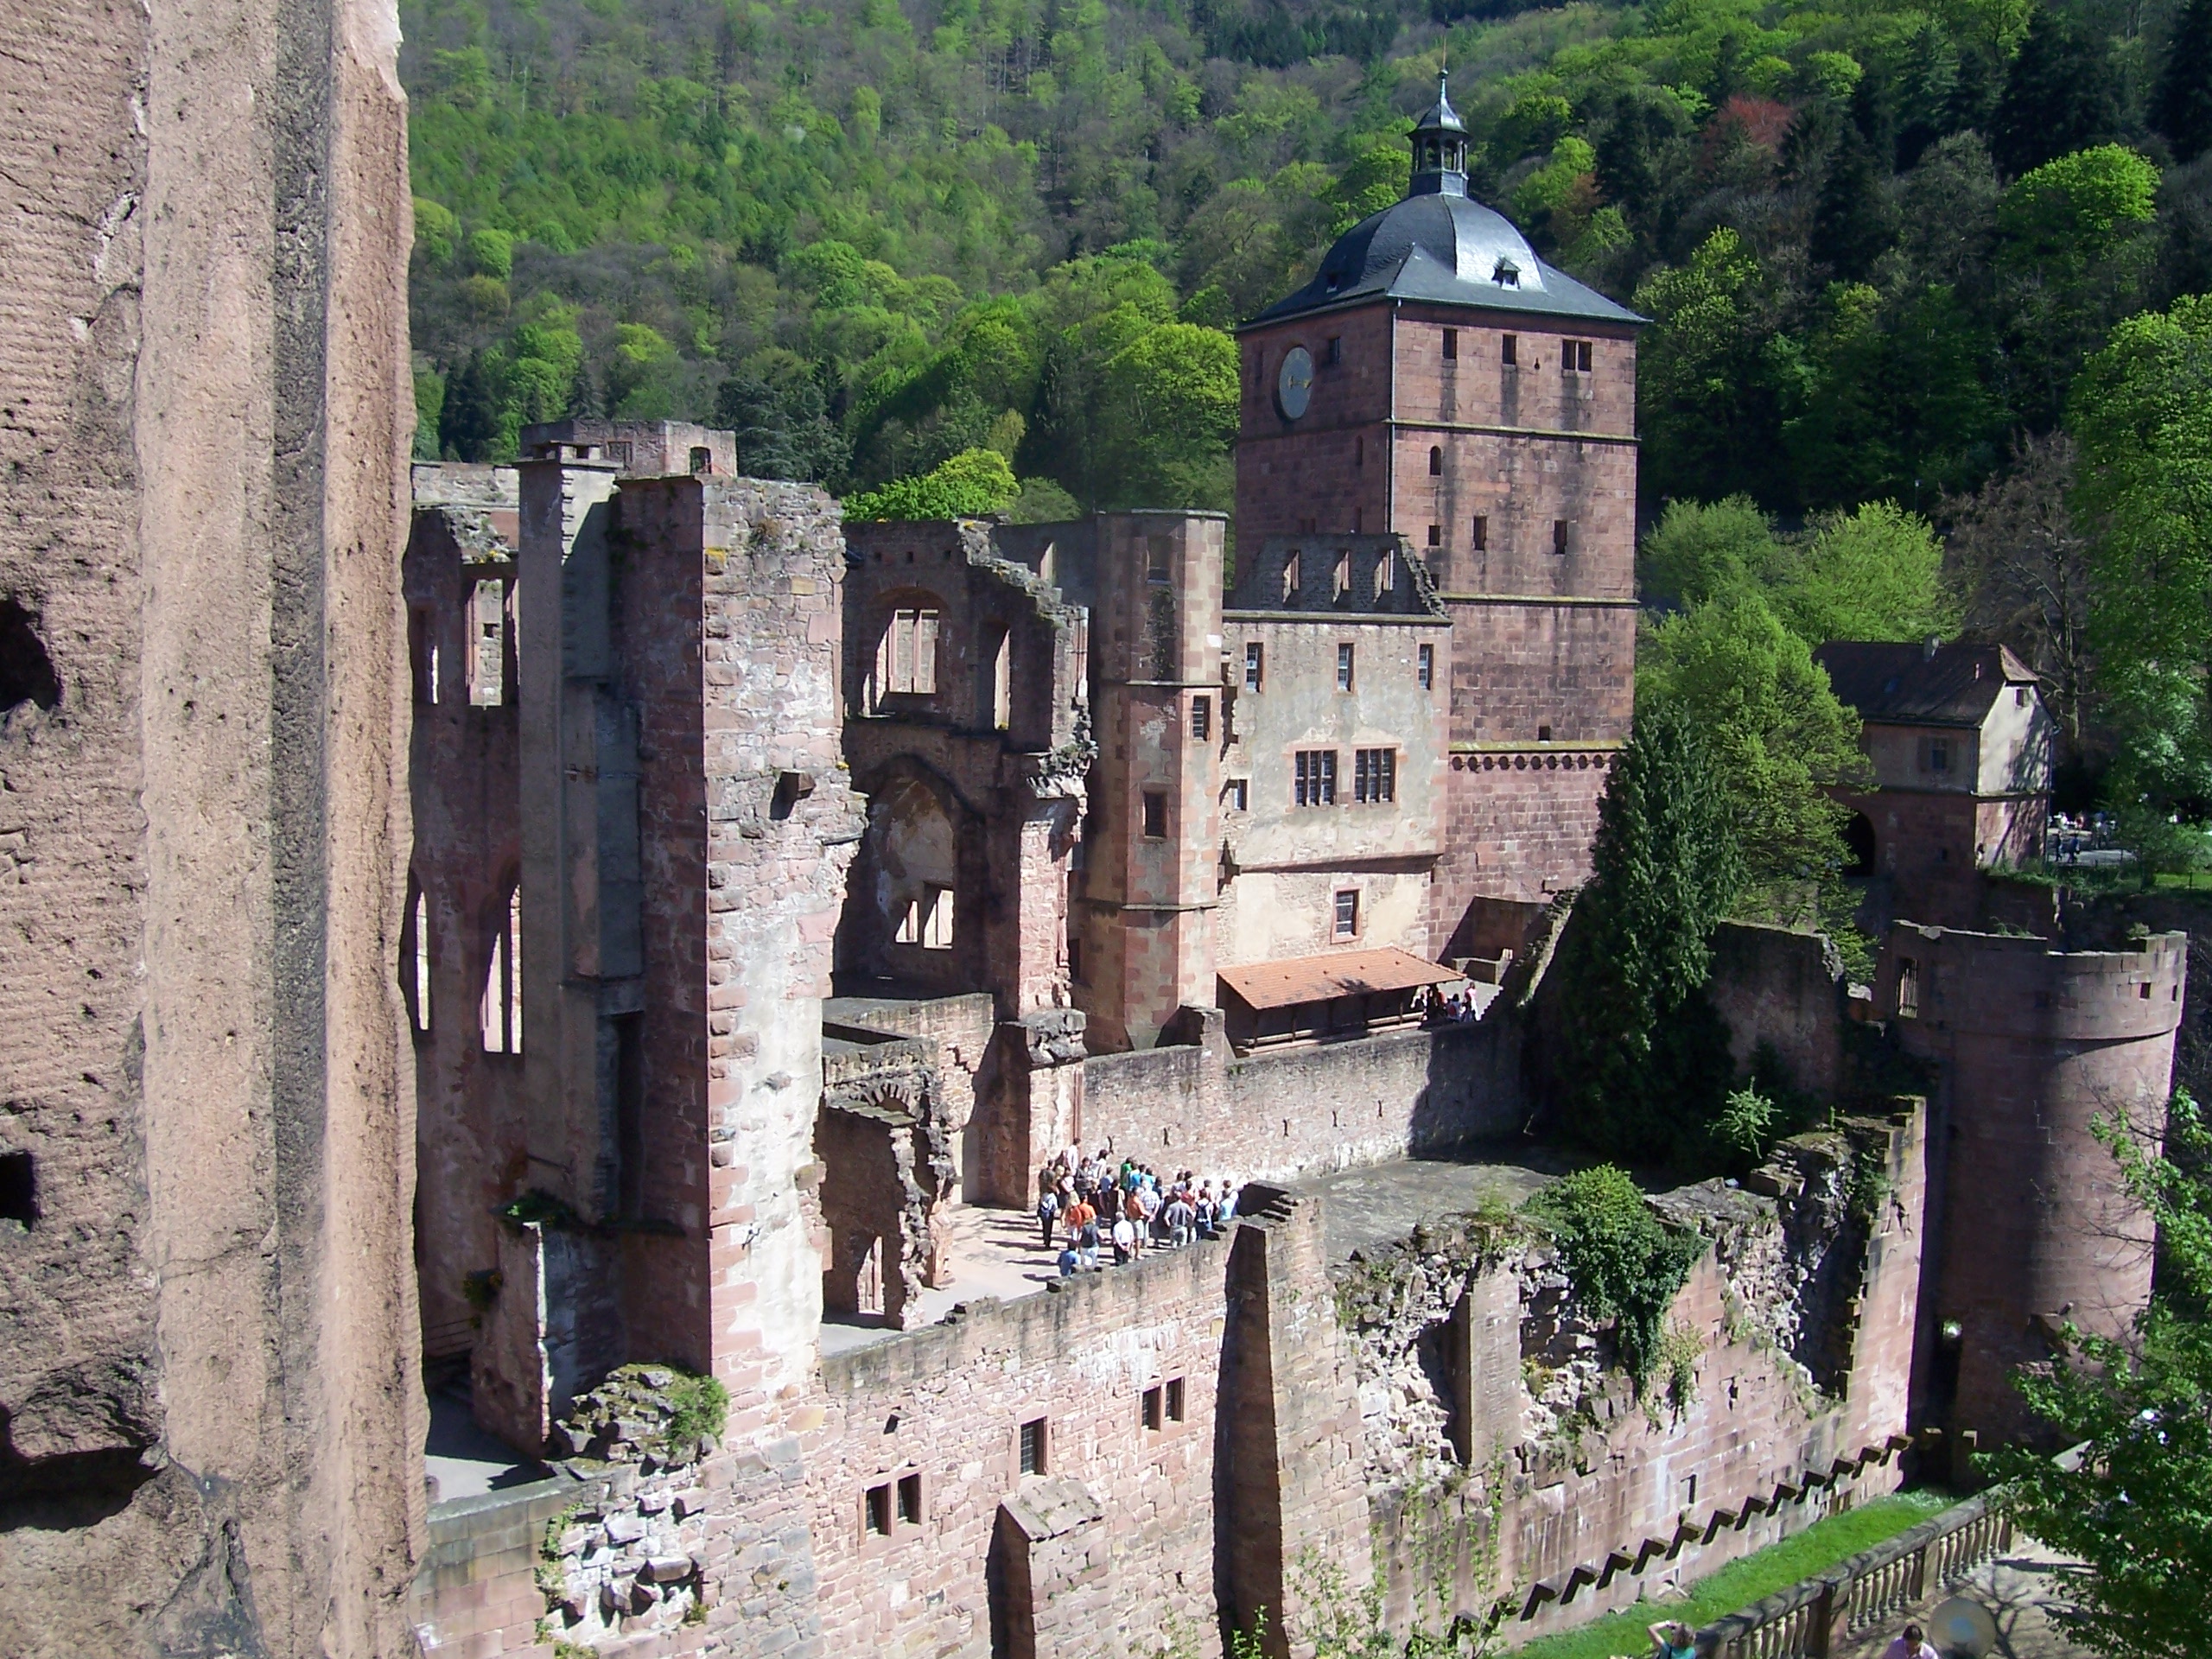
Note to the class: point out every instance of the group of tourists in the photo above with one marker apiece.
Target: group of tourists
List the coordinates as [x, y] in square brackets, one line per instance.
[1673, 1640]
[1088, 1207]
[1438, 1008]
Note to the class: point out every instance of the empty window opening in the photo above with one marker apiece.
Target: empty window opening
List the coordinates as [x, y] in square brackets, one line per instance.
[422, 656]
[1237, 795]
[1359, 452]
[1157, 549]
[1480, 538]
[1574, 357]
[906, 660]
[1435, 461]
[1374, 776]
[702, 460]
[26, 672]
[1175, 1399]
[1290, 575]
[1908, 989]
[1386, 573]
[502, 1009]
[877, 1511]
[1508, 350]
[1939, 754]
[2022, 695]
[1202, 718]
[1033, 1448]
[1075, 958]
[1341, 580]
[18, 1188]
[1347, 915]
[1451, 345]
[1425, 666]
[1543, 733]
[1155, 815]
[1559, 535]
[415, 957]
[1254, 661]
[487, 644]
[1003, 683]
[909, 1500]
[1313, 773]
[1333, 352]
[1436, 535]
[1155, 1409]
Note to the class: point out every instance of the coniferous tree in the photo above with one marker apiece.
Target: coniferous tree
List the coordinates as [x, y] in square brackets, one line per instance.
[1641, 1066]
[2059, 97]
[468, 426]
[2181, 107]
[1855, 221]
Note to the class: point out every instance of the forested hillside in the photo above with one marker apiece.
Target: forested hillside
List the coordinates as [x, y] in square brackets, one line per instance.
[1878, 243]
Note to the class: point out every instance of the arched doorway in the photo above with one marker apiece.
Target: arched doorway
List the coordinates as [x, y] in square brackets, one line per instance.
[1858, 844]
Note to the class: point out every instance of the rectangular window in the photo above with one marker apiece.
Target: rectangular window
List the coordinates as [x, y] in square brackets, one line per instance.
[877, 1511]
[1032, 1453]
[1908, 989]
[1075, 958]
[1175, 1399]
[1939, 754]
[1386, 573]
[936, 926]
[1451, 345]
[1509, 351]
[1333, 352]
[1201, 718]
[1315, 774]
[500, 1015]
[1254, 659]
[909, 1500]
[1436, 535]
[1359, 452]
[2022, 695]
[422, 655]
[1342, 582]
[1236, 794]
[1374, 776]
[1344, 668]
[1426, 671]
[1559, 535]
[1347, 914]
[1157, 549]
[1156, 1410]
[1290, 575]
[1574, 356]
[487, 643]
[1481, 535]
[1155, 815]
[905, 661]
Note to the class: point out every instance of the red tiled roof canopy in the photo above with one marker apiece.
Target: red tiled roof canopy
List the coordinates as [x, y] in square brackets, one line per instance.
[1319, 978]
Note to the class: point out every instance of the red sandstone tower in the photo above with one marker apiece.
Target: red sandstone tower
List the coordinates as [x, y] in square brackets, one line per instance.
[1437, 379]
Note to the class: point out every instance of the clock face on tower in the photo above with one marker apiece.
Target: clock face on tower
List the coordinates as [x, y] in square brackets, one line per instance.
[1294, 385]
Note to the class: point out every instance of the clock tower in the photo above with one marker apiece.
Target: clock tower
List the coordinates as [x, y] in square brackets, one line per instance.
[1438, 380]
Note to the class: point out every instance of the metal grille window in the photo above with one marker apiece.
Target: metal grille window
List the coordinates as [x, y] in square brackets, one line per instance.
[1201, 718]
[1316, 774]
[1344, 668]
[1426, 669]
[1033, 1446]
[1374, 776]
[1253, 661]
[1347, 916]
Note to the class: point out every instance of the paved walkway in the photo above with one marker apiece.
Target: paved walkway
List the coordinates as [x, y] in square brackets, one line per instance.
[2018, 1590]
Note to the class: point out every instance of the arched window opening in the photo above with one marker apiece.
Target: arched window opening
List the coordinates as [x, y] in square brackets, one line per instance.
[1435, 461]
[502, 1009]
[1859, 840]
[415, 957]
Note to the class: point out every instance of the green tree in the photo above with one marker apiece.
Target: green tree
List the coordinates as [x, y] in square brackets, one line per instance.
[1854, 220]
[1876, 573]
[2059, 95]
[1776, 735]
[1173, 390]
[468, 423]
[2142, 418]
[2134, 1512]
[1641, 1066]
[775, 406]
[1700, 551]
[1705, 383]
[2181, 106]
[972, 483]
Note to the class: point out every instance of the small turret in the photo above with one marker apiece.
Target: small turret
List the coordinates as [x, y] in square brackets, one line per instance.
[1439, 141]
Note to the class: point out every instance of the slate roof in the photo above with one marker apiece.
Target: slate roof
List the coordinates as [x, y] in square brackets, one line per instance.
[1910, 685]
[1445, 247]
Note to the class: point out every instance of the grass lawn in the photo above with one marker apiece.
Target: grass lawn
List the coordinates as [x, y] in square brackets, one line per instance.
[1739, 1584]
[2198, 880]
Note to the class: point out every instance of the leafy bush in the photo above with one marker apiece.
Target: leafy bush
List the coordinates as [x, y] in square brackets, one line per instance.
[972, 483]
[1624, 1264]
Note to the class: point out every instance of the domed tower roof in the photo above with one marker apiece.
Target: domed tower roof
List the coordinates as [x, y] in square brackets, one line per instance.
[1440, 245]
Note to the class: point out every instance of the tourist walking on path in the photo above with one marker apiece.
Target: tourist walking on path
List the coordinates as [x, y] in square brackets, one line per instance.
[1913, 1644]
[1048, 1212]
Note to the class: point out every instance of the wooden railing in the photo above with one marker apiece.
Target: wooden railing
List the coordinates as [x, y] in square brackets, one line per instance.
[1815, 1616]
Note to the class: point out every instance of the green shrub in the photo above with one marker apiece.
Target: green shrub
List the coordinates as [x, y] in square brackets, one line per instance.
[1623, 1264]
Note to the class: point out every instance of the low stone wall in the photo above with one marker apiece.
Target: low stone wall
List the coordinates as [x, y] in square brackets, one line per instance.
[476, 1589]
[1292, 1111]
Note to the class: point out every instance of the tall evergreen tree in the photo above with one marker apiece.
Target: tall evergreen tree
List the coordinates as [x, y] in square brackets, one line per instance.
[2180, 106]
[1854, 221]
[2060, 96]
[1642, 1066]
[469, 424]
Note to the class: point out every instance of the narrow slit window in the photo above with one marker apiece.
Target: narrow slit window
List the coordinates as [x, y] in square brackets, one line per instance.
[1386, 574]
[1290, 575]
[1436, 535]
[422, 655]
[1343, 579]
[1333, 353]
[1425, 669]
[502, 1009]
[1436, 461]
[876, 1511]
[1480, 537]
[1559, 535]
[487, 644]
[1033, 1449]
[414, 954]
[1155, 815]
[1201, 718]
[1156, 1410]
[1176, 1396]
[909, 1500]
[1344, 668]
[1509, 351]
[1451, 345]
[1255, 661]
[1908, 989]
